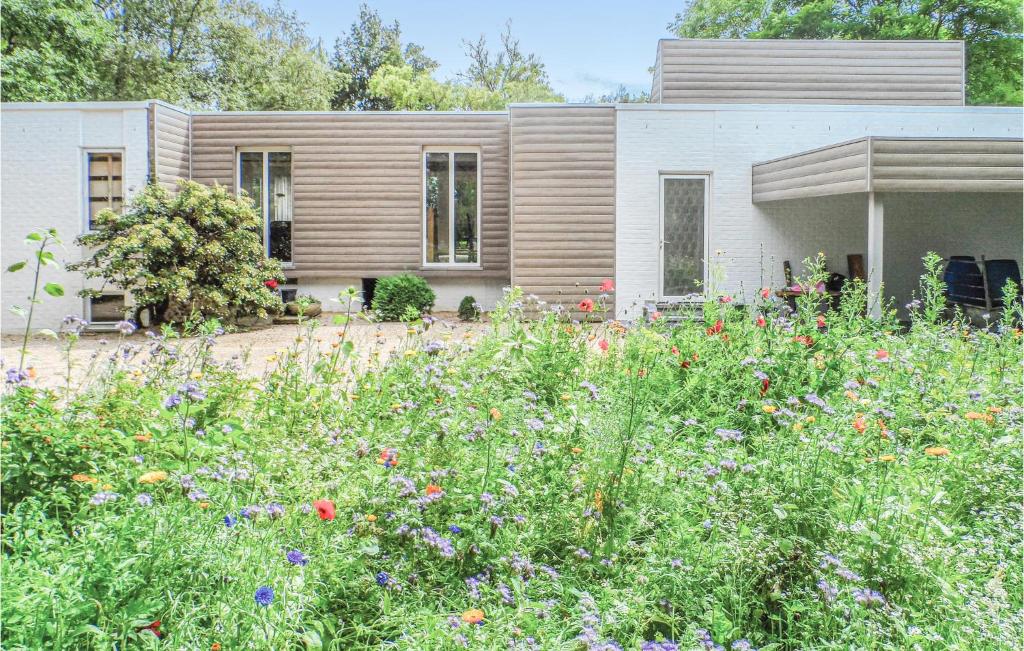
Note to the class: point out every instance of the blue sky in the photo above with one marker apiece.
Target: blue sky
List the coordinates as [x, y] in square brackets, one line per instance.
[588, 47]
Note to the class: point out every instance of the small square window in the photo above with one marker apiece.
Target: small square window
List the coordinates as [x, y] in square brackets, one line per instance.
[105, 188]
[106, 309]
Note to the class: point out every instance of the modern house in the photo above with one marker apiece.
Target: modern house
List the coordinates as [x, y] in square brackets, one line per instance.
[750, 153]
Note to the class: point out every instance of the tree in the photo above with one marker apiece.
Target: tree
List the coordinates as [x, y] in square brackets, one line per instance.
[199, 251]
[991, 30]
[53, 50]
[369, 46]
[509, 73]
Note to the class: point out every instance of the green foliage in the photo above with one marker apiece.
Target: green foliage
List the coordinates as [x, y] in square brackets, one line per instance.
[991, 30]
[369, 46]
[469, 309]
[38, 241]
[491, 82]
[199, 251]
[53, 50]
[395, 296]
[795, 482]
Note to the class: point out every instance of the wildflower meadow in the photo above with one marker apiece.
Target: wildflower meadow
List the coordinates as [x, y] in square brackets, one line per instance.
[745, 477]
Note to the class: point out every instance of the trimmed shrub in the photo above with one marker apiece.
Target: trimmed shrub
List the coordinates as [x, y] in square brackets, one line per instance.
[469, 309]
[394, 295]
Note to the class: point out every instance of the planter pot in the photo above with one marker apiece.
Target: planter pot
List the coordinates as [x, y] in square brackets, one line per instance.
[294, 309]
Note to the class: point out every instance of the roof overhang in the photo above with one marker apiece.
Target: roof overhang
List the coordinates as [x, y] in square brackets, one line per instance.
[884, 164]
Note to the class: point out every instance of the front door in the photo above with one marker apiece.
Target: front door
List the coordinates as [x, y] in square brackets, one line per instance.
[684, 214]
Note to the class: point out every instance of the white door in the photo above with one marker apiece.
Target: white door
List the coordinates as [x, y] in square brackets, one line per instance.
[684, 236]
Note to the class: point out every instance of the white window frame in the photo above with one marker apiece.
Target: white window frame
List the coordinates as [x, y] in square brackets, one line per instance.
[102, 325]
[662, 177]
[86, 225]
[264, 190]
[451, 151]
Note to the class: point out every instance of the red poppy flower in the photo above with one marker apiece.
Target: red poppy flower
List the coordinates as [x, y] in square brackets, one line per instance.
[153, 628]
[685, 363]
[272, 284]
[603, 344]
[324, 509]
[765, 292]
[715, 329]
[881, 354]
[760, 321]
[433, 489]
[655, 316]
[607, 285]
[764, 386]
[804, 339]
[586, 305]
[675, 350]
[821, 321]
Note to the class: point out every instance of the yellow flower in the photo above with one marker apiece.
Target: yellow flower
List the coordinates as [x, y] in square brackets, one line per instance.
[196, 375]
[566, 397]
[203, 505]
[107, 487]
[271, 359]
[577, 450]
[769, 409]
[473, 616]
[810, 419]
[85, 479]
[798, 427]
[371, 517]
[396, 407]
[410, 331]
[936, 451]
[353, 396]
[153, 477]
[410, 353]
[495, 414]
[598, 501]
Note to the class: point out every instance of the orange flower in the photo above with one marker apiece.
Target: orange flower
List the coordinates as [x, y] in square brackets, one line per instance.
[203, 505]
[974, 415]
[143, 438]
[995, 410]
[153, 477]
[887, 458]
[473, 616]
[495, 414]
[936, 451]
[577, 450]
[371, 517]
[433, 489]
[85, 479]
[859, 424]
[215, 646]
[598, 501]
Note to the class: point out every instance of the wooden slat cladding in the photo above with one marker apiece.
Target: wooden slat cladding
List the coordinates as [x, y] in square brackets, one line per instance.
[358, 183]
[837, 169]
[563, 201]
[953, 165]
[787, 71]
[894, 165]
[170, 145]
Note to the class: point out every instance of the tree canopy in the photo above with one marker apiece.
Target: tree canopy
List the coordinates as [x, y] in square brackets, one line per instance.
[991, 30]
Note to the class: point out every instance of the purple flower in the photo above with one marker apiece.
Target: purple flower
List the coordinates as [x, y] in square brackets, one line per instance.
[144, 499]
[192, 391]
[828, 593]
[172, 401]
[295, 557]
[742, 645]
[535, 424]
[126, 328]
[275, 510]
[103, 497]
[868, 598]
[729, 434]
[230, 520]
[264, 596]
[16, 376]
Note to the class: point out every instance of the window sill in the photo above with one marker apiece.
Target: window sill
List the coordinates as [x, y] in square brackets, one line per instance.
[458, 267]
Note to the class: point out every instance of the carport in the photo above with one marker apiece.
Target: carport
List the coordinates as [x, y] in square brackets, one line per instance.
[950, 195]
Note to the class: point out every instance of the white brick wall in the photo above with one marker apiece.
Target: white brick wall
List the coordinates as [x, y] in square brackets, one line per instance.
[754, 239]
[43, 185]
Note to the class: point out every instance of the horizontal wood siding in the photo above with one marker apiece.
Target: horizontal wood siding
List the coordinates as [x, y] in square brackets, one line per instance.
[563, 212]
[955, 165]
[839, 169]
[810, 72]
[170, 146]
[358, 183]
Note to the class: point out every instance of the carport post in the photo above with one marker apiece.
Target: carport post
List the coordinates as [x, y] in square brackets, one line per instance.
[875, 237]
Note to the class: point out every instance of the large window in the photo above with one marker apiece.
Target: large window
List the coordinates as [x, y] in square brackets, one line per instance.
[451, 207]
[105, 189]
[266, 176]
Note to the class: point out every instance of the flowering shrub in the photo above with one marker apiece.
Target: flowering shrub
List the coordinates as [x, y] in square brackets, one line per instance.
[199, 251]
[758, 479]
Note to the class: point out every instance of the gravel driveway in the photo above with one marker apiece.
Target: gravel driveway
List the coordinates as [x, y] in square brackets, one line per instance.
[50, 365]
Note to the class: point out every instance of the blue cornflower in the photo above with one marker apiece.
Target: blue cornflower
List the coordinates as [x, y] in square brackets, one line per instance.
[295, 557]
[264, 596]
[230, 520]
[454, 529]
[383, 579]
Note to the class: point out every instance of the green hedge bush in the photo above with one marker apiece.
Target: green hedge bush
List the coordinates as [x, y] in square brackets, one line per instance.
[469, 309]
[394, 295]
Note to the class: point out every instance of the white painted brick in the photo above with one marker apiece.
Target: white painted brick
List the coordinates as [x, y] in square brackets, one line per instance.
[43, 173]
[755, 239]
